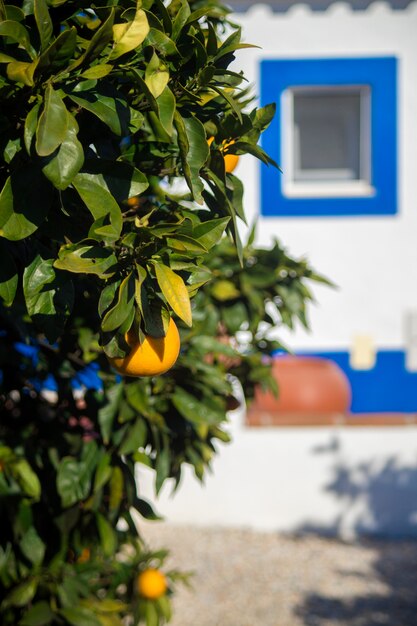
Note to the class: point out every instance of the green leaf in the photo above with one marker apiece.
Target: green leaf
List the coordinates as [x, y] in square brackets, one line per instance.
[129, 35]
[161, 42]
[65, 165]
[118, 314]
[30, 126]
[52, 124]
[181, 17]
[40, 614]
[22, 72]
[58, 53]
[145, 509]
[86, 259]
[156, 75]
[175, 292]
[100, 40]
[194, 411]
[73, 481]
[19, 34]
[103, 472]
[116, 489]
[108, 538]
[184, 243]
[109, 411]
[135, 437]
[151, 614]
[24, 203]
[97, 71]
[209, 233]
[194, 151]
[224, 290]
[162, 468]
[8, 275]
[107, 297]
[123, 180]
[23, 594]
[26, 478]
[104, 208]
[111, 111]
[43, 22]
[164, 605]
[80, 617]
[49, 296]
[166, 104]
[32, 546]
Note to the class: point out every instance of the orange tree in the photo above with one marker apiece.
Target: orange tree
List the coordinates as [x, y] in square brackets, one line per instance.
[112, 202]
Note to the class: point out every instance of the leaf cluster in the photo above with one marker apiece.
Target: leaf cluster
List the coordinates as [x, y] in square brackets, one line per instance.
[103, 108]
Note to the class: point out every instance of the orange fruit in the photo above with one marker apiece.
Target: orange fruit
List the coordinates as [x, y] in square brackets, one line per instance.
[84, 556]
[155, 355]
[230, 160]
[151, 584]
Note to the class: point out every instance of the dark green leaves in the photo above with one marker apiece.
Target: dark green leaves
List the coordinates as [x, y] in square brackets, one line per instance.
[107, 413]
[122, 309]
[67, 162]
[43, 22]
[74, 476]
[110, 110]
[194, 151]
[105, 210]
[40, 614]
[53, 123]
[49, 296]
[24, 203]
[8, 275]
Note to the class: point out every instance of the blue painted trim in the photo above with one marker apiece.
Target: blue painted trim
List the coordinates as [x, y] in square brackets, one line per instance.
[381, 75]
[387, 388]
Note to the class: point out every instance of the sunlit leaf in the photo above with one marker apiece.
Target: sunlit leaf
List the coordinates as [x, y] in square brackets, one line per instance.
[175, 291]
[130, 35]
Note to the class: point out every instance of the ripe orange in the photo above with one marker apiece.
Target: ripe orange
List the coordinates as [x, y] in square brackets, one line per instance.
[230, 160]
[151, 357]
[151, 584]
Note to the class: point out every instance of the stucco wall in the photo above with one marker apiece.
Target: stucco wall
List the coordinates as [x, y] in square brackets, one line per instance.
[372, 260]
[336, 481]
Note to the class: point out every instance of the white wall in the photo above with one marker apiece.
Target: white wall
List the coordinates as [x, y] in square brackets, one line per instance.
[338, 481]
[373, 260]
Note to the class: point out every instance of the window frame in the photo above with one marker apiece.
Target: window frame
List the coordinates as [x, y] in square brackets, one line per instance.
[377, 195]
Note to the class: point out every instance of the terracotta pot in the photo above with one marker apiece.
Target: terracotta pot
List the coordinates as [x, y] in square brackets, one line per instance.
[307, 386]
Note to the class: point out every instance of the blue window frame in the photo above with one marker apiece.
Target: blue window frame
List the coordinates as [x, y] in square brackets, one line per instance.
[379, 77]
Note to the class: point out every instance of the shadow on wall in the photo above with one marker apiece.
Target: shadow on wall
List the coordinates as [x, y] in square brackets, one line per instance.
[377, 499]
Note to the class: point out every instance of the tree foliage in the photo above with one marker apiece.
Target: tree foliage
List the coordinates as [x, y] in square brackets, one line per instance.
[112, 205]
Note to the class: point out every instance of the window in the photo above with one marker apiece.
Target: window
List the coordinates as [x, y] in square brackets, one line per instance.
[334, 136]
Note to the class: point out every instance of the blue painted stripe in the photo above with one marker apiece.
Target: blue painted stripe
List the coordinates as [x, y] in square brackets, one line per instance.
[387, 388]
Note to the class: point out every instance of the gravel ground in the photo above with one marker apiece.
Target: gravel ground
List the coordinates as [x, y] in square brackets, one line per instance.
[245, 578]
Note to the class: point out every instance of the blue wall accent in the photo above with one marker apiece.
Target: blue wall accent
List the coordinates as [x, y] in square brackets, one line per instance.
[387, 388]
[381, 75]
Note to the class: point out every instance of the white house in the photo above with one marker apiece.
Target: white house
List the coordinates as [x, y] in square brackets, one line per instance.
[343, 75]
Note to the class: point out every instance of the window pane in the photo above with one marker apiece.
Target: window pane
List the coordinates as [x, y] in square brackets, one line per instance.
[327, 135]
